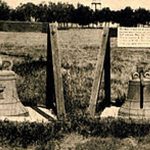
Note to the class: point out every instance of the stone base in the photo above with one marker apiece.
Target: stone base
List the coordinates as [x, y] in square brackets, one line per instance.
[110, 112]
[34, 116]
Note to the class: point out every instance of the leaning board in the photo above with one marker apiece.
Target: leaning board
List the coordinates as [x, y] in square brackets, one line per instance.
[133, 37]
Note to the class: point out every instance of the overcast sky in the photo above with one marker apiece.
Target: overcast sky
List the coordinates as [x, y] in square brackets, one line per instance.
[113, 4]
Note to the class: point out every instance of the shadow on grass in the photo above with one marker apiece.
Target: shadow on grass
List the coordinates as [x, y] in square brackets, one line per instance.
[31, 82]
[29, 67]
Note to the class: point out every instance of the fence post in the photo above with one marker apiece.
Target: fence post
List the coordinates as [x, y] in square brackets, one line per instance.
[55, 96]
[99, 73]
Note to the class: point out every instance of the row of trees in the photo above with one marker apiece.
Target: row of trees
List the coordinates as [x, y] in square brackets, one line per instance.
[67, 13]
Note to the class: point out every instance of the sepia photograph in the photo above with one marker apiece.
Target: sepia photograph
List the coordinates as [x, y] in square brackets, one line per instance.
[74, 75]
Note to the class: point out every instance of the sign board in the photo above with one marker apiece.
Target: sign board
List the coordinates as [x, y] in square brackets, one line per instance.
[133, 37]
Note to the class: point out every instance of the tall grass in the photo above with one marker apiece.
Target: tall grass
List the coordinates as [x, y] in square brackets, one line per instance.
[79, 56]
[78, 66]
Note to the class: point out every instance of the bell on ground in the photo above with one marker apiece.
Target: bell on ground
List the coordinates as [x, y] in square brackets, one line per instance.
[10, 104]
[137, 104]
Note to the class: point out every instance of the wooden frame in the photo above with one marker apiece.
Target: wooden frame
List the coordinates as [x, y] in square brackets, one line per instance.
[55, 97]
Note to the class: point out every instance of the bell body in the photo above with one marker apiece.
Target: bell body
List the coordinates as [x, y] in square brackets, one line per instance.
[10, 104]
[137, 104]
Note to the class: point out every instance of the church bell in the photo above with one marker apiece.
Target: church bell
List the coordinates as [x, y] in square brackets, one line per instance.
[10, 104]
[137, 104]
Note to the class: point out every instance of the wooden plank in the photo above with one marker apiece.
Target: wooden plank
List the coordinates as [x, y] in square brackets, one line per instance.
[107, 74]
[55, 74]
[45, 115]
[98, 74]
[50, 89]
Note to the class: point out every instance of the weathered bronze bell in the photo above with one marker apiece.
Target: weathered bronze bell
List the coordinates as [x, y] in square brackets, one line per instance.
[10, 104]
[137, 104]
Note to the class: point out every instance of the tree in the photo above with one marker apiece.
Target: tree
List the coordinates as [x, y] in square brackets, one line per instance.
[82, 15]
[4, 10]
[64, 12]
[25, 12]
[126, 17]
[42, 12]
[105, 15]
[142, 16]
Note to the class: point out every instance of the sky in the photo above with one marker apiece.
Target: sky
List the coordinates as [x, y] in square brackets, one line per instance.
[113, 4]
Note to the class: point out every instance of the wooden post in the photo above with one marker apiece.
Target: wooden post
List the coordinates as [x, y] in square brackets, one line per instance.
[50, 90]
[55, 96]
[98, 74]
[107, 74]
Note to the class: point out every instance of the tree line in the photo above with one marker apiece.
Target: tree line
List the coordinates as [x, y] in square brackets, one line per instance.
[67, 13]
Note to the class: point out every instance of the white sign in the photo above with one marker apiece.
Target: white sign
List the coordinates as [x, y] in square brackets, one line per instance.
[133, 37]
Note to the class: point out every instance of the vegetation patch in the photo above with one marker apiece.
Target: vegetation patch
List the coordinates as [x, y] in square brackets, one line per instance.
[16, 26]
[26, 134]
[78, 66]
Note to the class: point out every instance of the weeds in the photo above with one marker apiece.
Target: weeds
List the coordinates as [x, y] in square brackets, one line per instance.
[78, 66]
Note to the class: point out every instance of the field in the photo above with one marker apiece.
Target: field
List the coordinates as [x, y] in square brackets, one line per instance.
[78, 58]
[79, 50]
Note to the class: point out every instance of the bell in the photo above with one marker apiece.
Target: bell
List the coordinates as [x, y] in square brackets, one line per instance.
[137, 104]
[10, 104]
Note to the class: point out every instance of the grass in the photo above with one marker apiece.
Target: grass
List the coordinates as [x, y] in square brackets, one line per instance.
[129, 143]
[79, 49]
[78, 61]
